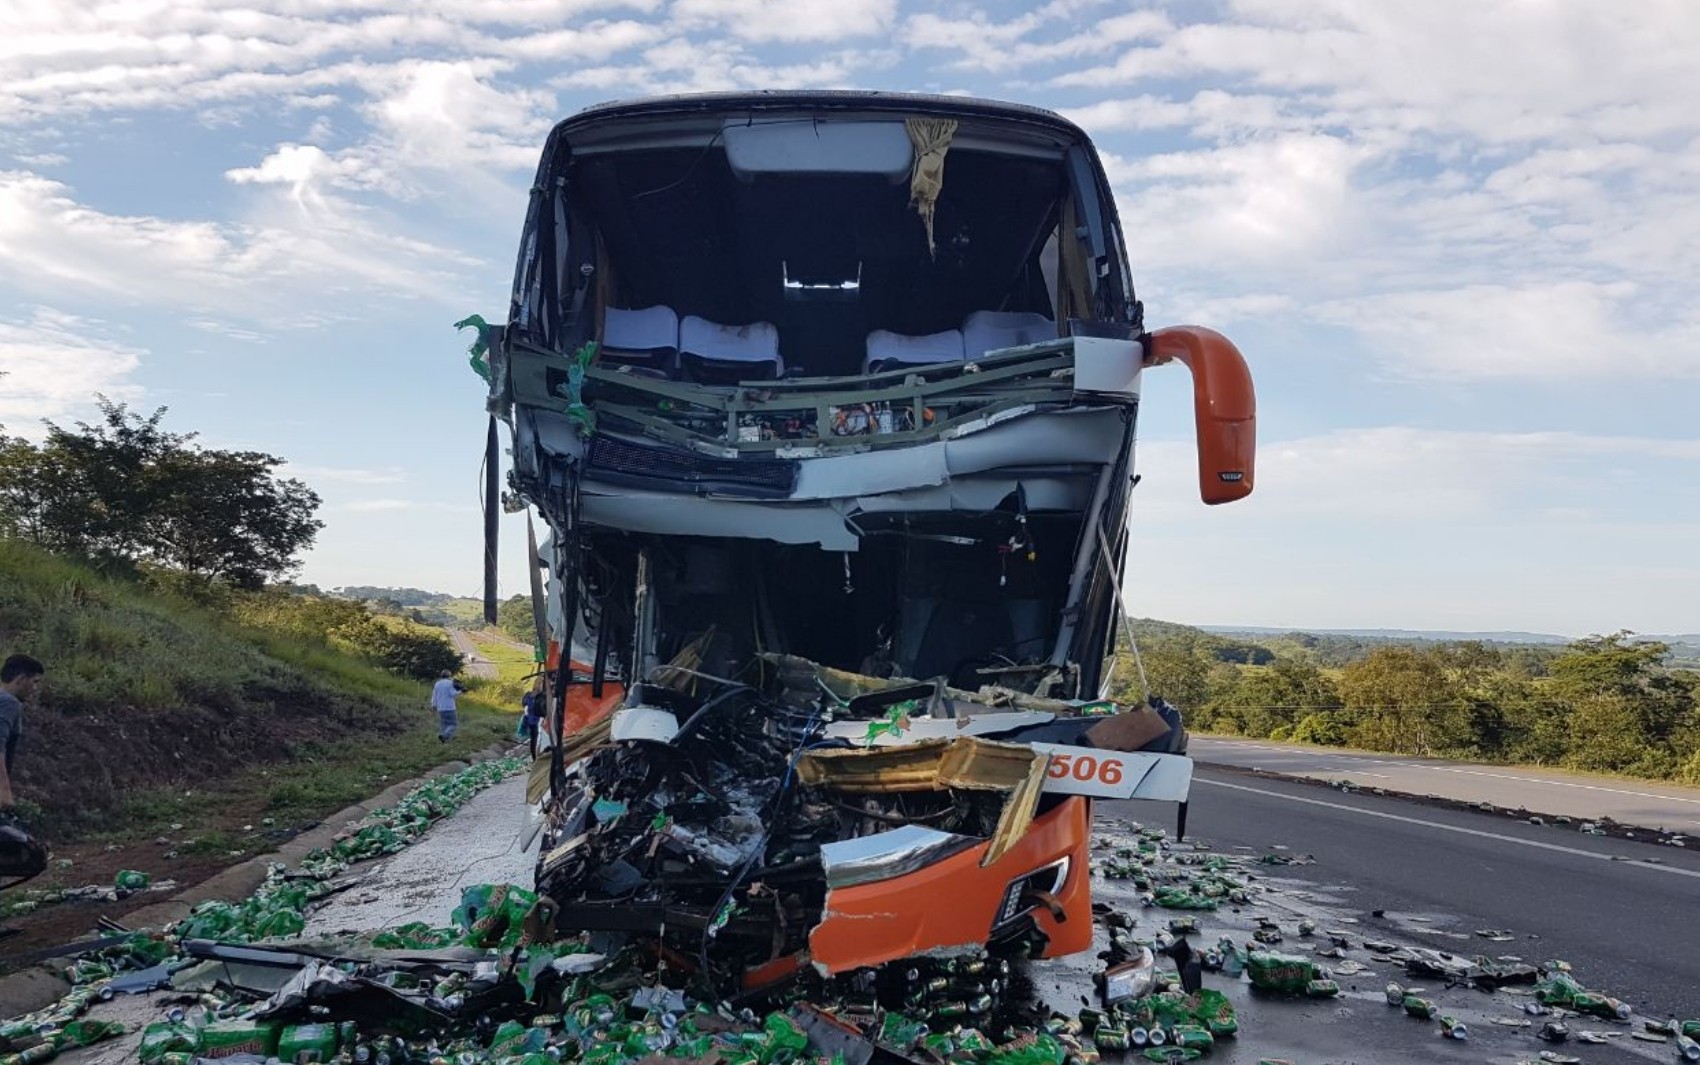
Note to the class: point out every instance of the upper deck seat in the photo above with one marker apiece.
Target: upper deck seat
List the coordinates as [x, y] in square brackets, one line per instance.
[646, 338]
[896, 351]
[713, 353]
[985, 331]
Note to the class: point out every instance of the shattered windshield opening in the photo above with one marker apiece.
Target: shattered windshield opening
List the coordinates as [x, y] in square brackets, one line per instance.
[827, 259]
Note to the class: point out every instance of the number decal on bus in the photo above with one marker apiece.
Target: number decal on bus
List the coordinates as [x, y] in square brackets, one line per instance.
[1084, 768]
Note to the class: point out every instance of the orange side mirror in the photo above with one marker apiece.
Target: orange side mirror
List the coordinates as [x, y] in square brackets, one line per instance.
[1224, 407]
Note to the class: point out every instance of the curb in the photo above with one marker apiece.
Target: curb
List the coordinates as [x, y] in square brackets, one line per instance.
[39, 985]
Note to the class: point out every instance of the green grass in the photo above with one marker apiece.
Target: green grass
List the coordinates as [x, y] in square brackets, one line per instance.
[159, 710]
[466, 611]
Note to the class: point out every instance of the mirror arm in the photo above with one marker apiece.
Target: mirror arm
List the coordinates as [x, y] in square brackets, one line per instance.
[1224, 406]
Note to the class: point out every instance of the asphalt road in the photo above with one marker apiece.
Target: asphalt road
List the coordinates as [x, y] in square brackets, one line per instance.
[476, 664]
[1622, 912]
[1666, 807]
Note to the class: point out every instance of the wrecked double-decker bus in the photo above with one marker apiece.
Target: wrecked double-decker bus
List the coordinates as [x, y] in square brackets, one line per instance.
[828, 403]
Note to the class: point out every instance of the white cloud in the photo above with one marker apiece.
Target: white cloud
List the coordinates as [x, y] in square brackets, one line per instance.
[53, 363]
[598, 40]
[682, 64]
[1439, 66]
[788, 20]
[1266, 201]
[305, 168]
[998, 47]
[138, 55]
[1210, 113]
[447, 116]
[268, 270]
[1570, 329]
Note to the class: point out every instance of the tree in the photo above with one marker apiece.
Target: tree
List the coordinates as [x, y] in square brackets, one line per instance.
[27, 480]
[420, 653]
[1173, 670]
[107, 483]
[413, 651]
[225, 515]
[1250, 654]
[125, 491]
[1268, 699]
[1518, 720]
[1404, 701]
[1626, 710]
[513, 617]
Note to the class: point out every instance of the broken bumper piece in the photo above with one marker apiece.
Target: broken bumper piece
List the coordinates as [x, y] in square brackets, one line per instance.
[762, 834]
[954, 905]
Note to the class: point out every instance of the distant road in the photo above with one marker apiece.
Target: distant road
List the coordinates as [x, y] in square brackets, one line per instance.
[476, 664]
[1633, 802]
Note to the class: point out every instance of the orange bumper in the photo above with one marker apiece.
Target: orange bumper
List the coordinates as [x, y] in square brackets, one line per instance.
[954, 902]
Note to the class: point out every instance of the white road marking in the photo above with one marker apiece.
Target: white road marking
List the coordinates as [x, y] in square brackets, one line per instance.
[1478, 773]
[1637, 863]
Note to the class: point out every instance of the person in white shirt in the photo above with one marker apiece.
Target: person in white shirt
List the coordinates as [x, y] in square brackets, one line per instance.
[443, 700]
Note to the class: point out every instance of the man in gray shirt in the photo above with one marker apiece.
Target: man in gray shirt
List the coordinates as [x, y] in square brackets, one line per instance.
[20, 675]
[443, 699]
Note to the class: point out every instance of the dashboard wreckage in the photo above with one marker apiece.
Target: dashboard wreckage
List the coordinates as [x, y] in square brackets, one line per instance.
[827, 401]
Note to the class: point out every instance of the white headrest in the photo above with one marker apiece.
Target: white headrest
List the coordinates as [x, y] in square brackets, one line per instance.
[756, 342]
[985, 331]
[885, 346]
[643, 329]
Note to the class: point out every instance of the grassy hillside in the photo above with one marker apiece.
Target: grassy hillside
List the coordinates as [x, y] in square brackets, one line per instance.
[160, 710]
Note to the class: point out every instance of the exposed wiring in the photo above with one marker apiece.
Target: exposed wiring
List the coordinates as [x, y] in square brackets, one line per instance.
[689, 170]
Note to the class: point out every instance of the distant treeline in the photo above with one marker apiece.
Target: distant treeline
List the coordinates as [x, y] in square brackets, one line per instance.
[1608, 703]
[415, 604]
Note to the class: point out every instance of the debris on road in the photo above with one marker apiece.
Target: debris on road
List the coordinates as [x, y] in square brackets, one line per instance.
[143, 961]
[500, 983]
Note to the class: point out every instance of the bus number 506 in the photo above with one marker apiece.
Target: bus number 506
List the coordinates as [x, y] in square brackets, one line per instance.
[1085, 767]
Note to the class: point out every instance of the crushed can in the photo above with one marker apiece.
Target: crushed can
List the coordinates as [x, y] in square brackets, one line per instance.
[1193, 1037]
[1395, 995]
[1322, 989]
[1112, 1036]
[1687, 1048]
[1453, 1028]
[1602, 1006]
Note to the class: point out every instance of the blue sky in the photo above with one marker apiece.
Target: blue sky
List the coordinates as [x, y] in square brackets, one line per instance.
[1458, 241]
